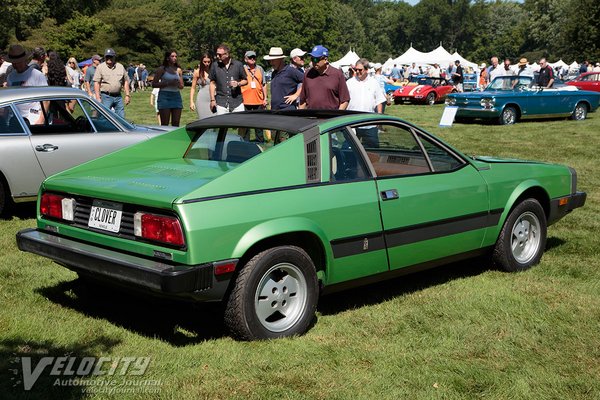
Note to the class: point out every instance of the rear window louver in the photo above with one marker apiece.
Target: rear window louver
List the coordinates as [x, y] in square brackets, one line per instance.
[312, 156]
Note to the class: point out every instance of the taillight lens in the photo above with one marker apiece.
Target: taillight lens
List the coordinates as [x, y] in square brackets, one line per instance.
[158, 228]
[57, 206]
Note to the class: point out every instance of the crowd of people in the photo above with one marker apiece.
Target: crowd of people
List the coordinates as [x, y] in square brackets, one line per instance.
[223, 84]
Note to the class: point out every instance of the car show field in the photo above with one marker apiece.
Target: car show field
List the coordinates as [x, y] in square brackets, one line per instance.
[461, 330]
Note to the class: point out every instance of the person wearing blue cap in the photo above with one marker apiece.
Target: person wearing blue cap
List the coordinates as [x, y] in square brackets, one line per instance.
[324, 86]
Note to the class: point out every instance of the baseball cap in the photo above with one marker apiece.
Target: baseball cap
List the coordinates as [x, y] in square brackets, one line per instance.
[110, 53]
[319, 51]
[96, 57]
[249, 54]
[297, 53]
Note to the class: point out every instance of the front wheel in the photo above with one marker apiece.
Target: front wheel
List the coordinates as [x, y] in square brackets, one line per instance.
[523, 237]
[508, 116]
[5, 200]
[274, 295]
[580, 112]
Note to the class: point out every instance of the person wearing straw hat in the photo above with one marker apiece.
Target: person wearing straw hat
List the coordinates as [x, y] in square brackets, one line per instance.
[523, 68]
[286, 81]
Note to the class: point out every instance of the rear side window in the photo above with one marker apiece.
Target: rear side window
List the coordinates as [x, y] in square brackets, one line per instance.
[9, 123]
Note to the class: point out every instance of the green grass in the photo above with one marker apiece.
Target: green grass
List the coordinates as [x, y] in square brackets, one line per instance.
[461, 331]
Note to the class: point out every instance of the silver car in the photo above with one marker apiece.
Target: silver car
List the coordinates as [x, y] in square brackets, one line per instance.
[45, 130]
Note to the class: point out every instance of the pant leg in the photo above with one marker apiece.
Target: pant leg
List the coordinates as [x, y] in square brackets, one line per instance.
[369, 137]
[119, 106]
[107, 101]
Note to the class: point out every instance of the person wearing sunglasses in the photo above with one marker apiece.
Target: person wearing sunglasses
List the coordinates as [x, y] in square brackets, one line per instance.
[226, 77]
[324, 86]
[365, 95]
[254, 93]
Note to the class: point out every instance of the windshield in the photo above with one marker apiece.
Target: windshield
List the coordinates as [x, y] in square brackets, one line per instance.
[510, 83]
[431, 81]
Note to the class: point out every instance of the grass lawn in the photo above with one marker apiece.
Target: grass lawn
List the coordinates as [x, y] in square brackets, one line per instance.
[461, 331]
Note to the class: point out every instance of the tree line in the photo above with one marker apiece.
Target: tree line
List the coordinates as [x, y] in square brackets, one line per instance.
[140, 32]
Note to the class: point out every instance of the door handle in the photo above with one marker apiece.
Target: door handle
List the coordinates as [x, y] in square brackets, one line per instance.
[46, 148]
[391, 194]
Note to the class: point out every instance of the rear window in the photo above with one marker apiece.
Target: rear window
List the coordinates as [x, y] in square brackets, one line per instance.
[234, 145]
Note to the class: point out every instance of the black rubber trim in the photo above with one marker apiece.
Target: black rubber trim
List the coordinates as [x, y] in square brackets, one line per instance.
[557, 212]
[374, 241]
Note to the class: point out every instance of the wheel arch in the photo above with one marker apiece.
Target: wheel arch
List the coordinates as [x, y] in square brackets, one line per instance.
[515, 106]
[584, 101]
[529, 189]
[8, 199]
[299, 232]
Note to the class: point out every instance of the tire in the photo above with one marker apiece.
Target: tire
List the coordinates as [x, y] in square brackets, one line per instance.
[431, 98]
[274, 295]
[580, 112]
[522, 241]
[508, 116]
[5, 200]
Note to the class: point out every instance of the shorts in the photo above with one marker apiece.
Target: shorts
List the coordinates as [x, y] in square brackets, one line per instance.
[169, 100]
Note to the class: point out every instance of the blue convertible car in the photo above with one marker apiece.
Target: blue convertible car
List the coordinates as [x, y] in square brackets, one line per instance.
[511, 98]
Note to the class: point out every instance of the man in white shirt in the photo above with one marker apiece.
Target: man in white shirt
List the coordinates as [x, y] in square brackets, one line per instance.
[24, 75]
[366, 96]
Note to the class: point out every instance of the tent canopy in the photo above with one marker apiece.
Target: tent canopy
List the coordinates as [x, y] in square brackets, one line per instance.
[349, 59]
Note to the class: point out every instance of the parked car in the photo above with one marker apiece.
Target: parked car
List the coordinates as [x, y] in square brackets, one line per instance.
[199, 214]
[73, 129]
[587, 81]
[509, 99]
[470, 82]
[187, 76]
[425, 90]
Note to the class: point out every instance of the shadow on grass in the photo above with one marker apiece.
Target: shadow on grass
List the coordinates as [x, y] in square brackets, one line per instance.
[20, 363]
[553, 242]
[176, 322]
[386, 290]
[19, 210]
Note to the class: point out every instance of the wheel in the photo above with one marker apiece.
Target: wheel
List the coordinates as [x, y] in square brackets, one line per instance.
[431, 98]
[523, 237]
[5, 200]
[508, 116]
[580, 112]
[274, 295]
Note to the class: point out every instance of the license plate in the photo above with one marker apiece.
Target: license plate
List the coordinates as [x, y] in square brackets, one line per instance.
[106, 216]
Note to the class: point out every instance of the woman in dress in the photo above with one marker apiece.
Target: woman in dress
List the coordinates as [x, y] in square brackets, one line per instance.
[74, 75]
[200, 78]
[169, 79]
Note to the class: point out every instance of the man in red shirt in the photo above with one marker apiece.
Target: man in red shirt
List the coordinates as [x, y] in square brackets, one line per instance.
[324, 86]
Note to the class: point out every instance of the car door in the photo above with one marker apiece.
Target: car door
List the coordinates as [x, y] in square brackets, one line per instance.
[18, 163]
[75, 131]
[433, 203]
[352, 219]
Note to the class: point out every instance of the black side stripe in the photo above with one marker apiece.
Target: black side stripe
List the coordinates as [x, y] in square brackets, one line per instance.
[412, 234]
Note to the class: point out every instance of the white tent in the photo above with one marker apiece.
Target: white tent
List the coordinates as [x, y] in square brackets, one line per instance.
[463, 61]
[560, 63]
[574, 66]
[349, 59]
[439, 56]
[410, 56]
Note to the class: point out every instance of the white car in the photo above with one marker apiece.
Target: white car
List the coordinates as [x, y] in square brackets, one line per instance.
[70, 128]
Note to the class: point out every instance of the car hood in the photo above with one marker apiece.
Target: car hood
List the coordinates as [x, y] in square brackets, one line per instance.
[490, 159]
[155, 183]
[479, 95]
[412, 90]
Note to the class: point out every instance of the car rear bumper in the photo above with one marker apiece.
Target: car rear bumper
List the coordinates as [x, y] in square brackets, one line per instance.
[197, 282]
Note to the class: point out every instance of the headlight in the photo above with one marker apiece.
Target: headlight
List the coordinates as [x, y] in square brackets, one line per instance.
[450, 101]
[487, 103]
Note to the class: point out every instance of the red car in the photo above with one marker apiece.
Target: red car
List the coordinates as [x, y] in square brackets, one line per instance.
[587, 81]
[424, 90]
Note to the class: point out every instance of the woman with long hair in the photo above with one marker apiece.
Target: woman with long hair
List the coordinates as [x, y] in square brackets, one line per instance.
[200, 79]
[74, 75]
[57, 73]
[169, 79]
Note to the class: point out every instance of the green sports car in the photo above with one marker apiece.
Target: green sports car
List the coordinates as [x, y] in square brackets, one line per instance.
[335, 199]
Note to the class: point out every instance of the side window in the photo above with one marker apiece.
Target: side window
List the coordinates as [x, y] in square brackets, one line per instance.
[66, 116]
[346, 162]
[9, 122]
[398, 153]
[441, 159]
[99, 120]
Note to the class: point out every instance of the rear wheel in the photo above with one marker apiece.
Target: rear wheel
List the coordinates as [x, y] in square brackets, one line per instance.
[274, 295]
[508, 116]
[522, 240]
[580, 112]
[5, 200]
[431, 98]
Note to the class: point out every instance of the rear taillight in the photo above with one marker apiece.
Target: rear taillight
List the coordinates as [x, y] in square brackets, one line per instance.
[158, 228]
[57, 206]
